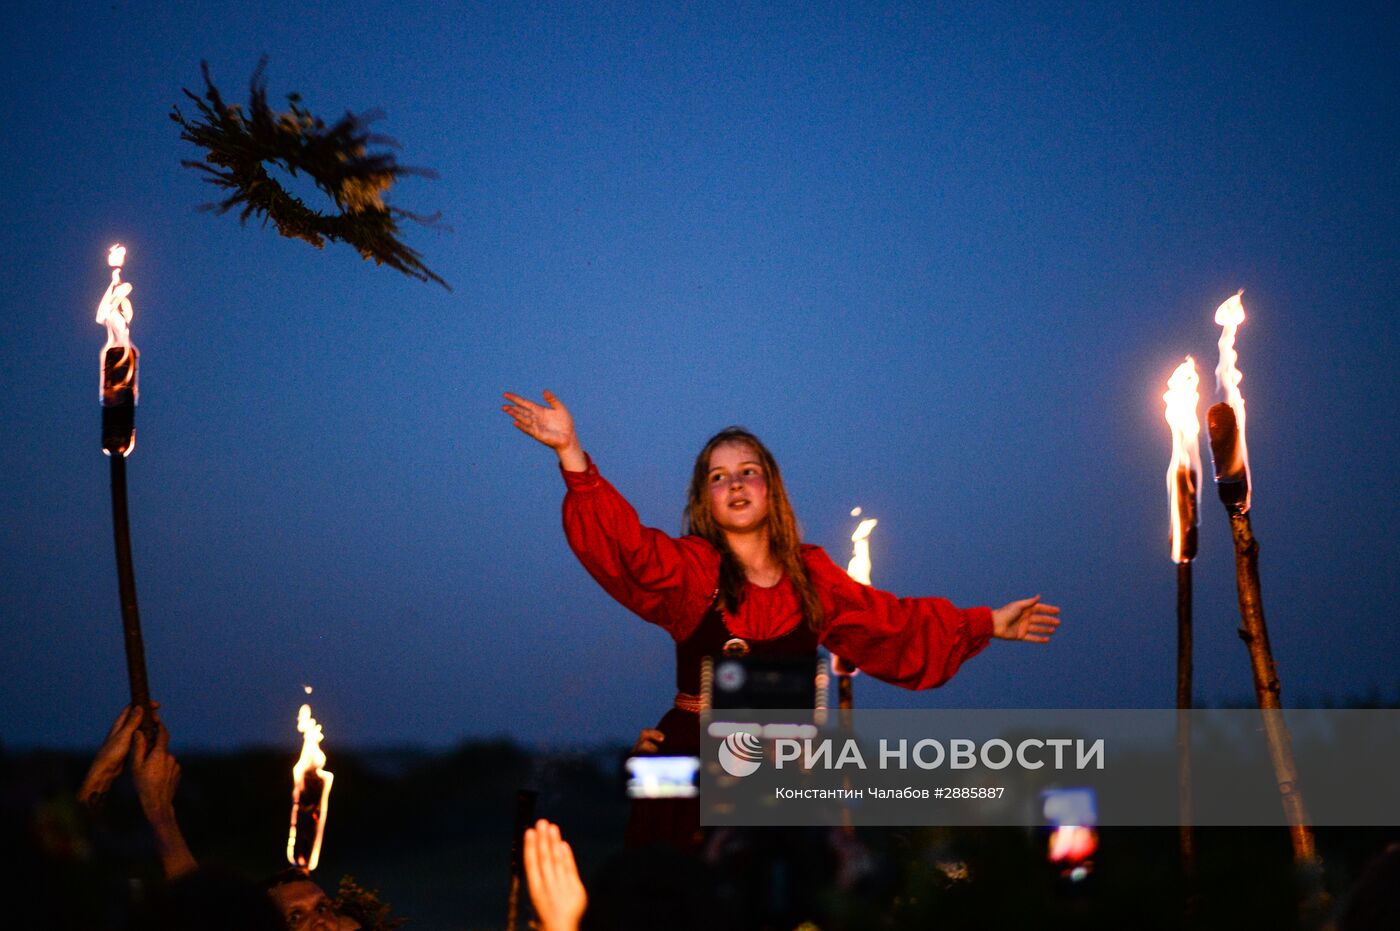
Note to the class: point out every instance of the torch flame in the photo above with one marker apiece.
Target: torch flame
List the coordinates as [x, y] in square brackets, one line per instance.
[313, 759]
[117, 382]
[1229, 316]
[114, 310]
[859, 569]
[1184, 472]
[859, 566]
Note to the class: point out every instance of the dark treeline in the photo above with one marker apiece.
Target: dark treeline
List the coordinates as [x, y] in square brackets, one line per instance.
[431, 831]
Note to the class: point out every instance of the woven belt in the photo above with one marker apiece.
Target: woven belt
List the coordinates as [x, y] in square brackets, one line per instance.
[688, 702]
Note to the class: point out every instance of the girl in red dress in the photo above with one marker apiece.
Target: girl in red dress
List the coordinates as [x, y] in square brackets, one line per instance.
[740, 581]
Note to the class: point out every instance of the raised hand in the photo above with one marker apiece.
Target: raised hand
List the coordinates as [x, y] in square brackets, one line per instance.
[556, 889]
[157, 774]
[549, 423]
[1027, 619]
[111, 756]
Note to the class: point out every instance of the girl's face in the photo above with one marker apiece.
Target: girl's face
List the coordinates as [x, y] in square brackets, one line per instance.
[737, 488]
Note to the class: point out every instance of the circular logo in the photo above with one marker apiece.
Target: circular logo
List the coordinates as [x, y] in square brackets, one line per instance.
[729, 676]
[740, 754]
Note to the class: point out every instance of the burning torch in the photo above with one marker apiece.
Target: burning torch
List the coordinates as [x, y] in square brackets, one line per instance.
[311, 793]
[118, 396]
[859, 569]
[1184, 496]
[1225, 422]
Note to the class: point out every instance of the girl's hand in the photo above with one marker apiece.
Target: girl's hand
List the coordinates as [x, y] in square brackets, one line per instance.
[552, 425]
[1027, 620]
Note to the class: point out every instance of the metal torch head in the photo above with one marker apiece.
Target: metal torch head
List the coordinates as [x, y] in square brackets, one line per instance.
[1231, 479]
[119, 380]
[1186, 480]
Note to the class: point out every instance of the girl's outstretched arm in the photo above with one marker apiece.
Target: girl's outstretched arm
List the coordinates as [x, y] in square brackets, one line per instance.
[551, 424]
[666, 581]
[914, 643]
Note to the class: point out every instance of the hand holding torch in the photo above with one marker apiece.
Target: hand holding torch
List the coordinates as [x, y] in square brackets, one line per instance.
[118, 395]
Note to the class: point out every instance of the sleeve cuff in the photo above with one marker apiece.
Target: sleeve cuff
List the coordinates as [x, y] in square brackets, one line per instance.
[979, 625]
[582, 481]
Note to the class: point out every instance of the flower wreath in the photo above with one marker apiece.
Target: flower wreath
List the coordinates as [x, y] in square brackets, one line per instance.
[239, 146]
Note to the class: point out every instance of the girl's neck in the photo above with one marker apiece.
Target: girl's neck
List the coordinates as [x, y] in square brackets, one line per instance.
[756, 557]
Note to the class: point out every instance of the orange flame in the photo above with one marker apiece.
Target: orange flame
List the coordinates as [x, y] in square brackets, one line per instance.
[859, 569]
[114, 312]
[312, 760]
[859, 566]
[1230, 315]
[1184, 472]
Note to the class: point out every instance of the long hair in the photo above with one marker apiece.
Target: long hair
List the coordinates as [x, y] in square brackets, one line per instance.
[784, 534]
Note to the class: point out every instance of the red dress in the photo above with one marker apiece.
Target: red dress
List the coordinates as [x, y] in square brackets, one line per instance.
[917, 643]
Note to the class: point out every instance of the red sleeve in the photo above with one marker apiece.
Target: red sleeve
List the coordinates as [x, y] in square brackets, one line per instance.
[916, 643]
[667, 581]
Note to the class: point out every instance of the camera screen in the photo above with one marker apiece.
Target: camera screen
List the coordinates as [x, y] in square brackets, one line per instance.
[767, 682]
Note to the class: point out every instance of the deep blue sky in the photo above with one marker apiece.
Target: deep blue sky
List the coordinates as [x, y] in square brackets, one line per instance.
[941, 257]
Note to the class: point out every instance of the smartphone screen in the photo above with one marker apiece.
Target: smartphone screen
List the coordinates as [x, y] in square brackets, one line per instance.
[662, 776]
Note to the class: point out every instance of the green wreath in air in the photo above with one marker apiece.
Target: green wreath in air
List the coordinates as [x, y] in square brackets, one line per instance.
[239, 146]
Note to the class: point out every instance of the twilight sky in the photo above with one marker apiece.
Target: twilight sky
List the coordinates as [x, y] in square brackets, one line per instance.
[942, 257]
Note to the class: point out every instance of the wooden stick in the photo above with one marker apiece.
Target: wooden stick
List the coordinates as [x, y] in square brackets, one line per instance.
[1267, 690]
[845, 693]
[1186, 832]
[1232, 485]
[524, 818]
[845, 703]
[126, 587]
